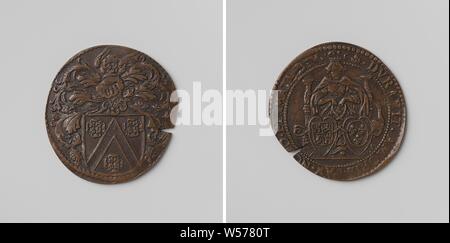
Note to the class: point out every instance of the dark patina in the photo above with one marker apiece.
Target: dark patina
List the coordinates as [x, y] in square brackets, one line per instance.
[106, 112]
[340, 109]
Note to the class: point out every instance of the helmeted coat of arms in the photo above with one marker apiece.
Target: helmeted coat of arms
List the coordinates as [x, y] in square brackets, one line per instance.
[106, 111]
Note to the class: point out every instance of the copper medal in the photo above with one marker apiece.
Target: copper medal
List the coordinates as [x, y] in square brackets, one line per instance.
[106, 112]
[340, 109]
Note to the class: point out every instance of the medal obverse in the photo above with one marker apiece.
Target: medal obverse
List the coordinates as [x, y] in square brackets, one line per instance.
[106, 112]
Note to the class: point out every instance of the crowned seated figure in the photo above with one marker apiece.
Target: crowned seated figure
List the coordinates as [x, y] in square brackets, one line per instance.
[339, 96]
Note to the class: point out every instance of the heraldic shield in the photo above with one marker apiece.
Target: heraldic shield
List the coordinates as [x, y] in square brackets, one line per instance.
[107, 111]
[113, 144]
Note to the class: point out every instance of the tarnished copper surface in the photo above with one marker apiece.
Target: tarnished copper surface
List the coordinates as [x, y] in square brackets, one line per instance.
[340, 109]
[106, 111]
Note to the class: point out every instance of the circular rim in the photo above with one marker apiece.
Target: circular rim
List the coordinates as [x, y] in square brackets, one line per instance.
[136, 172]
[292, 147]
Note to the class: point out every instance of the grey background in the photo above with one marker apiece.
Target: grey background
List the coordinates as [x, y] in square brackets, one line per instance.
[266, 184]
[37, 38]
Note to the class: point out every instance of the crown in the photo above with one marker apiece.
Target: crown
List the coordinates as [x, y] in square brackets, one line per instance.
[335, 55]
[334, 65]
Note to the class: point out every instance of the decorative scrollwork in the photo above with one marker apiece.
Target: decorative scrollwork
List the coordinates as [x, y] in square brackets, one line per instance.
[107, 81]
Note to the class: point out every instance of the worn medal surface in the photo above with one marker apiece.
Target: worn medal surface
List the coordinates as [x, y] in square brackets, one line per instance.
[340, 109]
[106, 111]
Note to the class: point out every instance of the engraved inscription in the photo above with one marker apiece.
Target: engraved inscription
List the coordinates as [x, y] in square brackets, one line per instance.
[341, 109]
